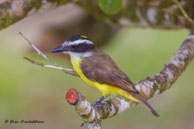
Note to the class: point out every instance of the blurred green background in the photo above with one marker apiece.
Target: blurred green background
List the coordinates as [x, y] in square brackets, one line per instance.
[30, 92]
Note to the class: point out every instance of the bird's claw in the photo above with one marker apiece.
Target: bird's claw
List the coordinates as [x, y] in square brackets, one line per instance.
[99, 102]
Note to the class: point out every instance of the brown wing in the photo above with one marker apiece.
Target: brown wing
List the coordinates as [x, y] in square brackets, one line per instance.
[101, 68]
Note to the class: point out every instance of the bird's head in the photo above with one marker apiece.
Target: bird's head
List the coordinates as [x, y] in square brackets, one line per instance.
[77, 44]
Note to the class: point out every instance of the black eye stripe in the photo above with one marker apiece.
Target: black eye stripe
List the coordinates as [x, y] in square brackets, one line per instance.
[82, 47]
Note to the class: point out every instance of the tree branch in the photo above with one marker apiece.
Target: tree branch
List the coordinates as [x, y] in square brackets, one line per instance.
[148, 87]
[136, 13]
[159, 14]
[170, 73]
[12, 11]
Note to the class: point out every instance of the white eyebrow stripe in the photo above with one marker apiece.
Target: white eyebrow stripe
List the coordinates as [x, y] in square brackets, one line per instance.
[80, 41]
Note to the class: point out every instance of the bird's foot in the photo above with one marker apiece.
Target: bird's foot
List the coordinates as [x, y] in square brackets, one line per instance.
[99, 103]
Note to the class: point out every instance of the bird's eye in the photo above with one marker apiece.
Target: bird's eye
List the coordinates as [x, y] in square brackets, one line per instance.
[73, 46]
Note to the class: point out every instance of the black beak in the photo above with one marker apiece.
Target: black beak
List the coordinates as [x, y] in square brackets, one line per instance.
[59, 49]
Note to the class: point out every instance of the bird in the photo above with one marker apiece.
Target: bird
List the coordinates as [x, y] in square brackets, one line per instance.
[99, 70]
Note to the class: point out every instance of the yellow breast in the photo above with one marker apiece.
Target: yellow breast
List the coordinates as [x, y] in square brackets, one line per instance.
[103, 88]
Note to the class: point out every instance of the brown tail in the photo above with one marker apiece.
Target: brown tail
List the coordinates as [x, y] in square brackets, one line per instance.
[146, 103]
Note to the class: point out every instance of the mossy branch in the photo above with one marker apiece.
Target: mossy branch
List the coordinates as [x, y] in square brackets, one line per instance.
[135, 13]
[12, 11]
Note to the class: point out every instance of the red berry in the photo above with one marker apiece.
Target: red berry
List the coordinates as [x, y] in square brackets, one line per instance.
[72, 96]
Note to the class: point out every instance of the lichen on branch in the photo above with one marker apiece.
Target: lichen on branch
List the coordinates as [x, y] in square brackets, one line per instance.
[170, 73]
[15, 10]
[164, 14]
[12, 11]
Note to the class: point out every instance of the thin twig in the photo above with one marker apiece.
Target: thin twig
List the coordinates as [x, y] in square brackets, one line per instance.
[55, 66]
[37, 50]
[68, 71]
[183, 12]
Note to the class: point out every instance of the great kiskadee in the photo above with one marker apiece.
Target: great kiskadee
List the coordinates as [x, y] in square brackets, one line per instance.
[99, 70]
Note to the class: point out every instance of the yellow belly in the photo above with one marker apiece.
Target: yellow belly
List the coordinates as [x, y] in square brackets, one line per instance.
[103, 88]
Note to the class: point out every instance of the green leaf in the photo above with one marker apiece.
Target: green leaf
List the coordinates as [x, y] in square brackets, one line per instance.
[110, 6]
